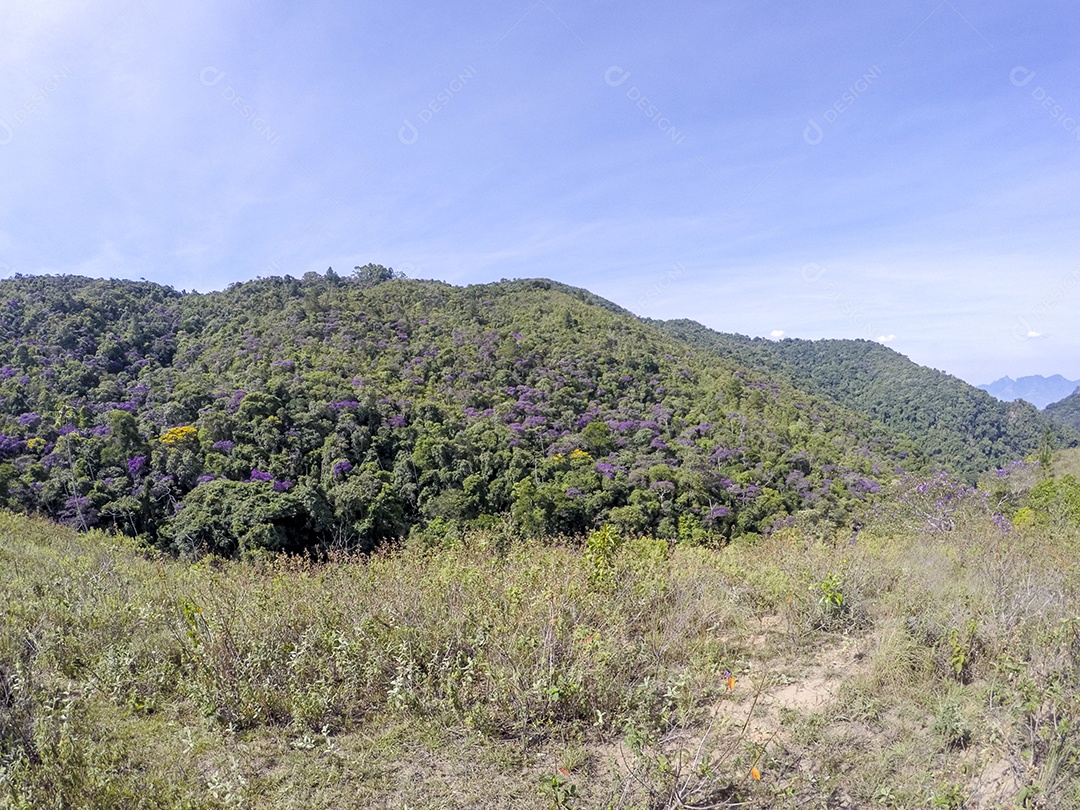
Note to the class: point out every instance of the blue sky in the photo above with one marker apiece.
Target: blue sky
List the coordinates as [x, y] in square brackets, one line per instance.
[904, 172]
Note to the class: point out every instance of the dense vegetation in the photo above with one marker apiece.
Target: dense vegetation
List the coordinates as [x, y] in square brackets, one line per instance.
[952, 423]
[285, 413]
[1066, 411]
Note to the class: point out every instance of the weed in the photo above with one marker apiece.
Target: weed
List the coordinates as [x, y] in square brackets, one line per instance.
[560, 792]
[951, 726]
[949, 797]
[834, 610]
[600, 549]
[962, 646]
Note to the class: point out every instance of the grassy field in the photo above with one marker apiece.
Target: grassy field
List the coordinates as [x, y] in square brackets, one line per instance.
[905, 667]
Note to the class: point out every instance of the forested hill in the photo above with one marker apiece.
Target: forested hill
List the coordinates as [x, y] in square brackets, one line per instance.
[283, 413]
[953, 424]
[1066, 411]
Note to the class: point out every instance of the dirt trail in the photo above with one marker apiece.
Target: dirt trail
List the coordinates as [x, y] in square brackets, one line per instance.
[756, 709]
[759, 700]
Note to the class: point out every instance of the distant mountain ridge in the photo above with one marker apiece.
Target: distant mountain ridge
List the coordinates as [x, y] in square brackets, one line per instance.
[1038, 390]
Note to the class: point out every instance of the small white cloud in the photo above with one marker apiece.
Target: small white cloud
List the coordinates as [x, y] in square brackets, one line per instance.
[886, 338]
[777, 333]
[1032, 334]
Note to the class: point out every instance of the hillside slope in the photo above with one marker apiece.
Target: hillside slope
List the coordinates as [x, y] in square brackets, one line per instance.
[1066, 411]
[287, 412]
[954, 424]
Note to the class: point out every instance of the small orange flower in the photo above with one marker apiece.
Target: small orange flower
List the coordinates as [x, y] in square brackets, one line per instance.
[755, 774]
[564, 772]
[731, 683]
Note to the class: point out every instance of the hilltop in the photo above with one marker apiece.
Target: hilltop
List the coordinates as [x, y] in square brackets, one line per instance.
[284, 413]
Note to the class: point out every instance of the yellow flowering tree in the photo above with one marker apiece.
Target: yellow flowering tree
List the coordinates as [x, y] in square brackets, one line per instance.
[178, 436]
